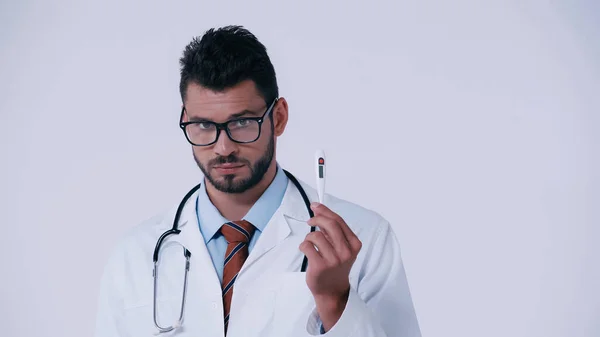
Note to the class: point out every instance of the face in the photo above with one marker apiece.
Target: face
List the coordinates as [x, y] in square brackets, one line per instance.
[229, 166]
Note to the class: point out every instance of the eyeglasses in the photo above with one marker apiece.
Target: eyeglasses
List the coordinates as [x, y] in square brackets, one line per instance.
[239, 130]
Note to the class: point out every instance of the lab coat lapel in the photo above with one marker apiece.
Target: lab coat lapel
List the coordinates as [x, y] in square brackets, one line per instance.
[293, 206]
[192, 239]
[278, 228]
[204, 294]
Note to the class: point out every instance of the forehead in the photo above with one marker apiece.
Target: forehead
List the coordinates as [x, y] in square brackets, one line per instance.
[219, 105]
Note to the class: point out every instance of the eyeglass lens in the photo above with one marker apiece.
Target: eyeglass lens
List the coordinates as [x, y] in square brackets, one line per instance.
[241, 130]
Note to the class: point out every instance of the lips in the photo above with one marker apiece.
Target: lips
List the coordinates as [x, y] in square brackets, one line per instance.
[228, 166]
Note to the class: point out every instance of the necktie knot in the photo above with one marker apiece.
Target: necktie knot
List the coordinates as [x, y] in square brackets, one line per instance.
[237, 231]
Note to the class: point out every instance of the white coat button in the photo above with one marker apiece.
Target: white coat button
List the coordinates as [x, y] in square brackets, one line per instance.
[214, 305]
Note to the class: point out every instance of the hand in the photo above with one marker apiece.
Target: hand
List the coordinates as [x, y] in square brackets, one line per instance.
[329, 267]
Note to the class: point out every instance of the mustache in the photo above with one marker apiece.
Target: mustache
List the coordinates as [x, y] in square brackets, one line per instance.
[231, 159]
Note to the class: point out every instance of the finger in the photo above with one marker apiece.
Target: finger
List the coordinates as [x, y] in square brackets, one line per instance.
[308, 249]
[333, 232]
[351, 238]
[321, 209]
[325, 248]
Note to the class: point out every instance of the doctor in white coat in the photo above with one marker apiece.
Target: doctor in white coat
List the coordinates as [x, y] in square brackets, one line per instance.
[248, 230]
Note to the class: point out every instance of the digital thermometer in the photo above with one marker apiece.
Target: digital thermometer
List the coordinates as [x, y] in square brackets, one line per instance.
[320, 172]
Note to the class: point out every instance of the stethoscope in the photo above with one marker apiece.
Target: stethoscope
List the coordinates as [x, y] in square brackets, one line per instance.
[175, 231]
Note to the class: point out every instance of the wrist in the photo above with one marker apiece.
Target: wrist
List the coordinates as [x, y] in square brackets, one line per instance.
[331, 301]
[330, 308]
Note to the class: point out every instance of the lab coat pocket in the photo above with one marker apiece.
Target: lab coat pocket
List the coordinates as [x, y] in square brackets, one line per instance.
[139, 320]
[256, 306]
[294, 304]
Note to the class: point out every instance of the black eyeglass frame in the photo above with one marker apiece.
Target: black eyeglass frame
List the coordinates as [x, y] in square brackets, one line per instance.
[223, 126]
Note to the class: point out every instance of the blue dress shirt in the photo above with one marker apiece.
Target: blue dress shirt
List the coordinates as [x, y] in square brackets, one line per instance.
[211, 220]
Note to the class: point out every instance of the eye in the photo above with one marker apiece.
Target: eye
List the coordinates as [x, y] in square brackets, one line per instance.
[241, 123]
[205, 125]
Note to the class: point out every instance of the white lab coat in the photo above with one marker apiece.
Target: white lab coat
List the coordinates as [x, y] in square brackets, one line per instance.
[271, 297]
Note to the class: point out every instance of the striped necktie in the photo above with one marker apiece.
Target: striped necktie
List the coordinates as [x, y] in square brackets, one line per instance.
[237, 234]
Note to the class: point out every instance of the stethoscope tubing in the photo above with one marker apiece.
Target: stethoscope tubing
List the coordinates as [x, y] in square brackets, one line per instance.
[175, 230]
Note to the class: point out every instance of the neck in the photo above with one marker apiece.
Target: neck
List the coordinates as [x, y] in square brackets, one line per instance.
[233, 206]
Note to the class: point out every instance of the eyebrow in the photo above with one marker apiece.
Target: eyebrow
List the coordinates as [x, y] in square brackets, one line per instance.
[232, 116]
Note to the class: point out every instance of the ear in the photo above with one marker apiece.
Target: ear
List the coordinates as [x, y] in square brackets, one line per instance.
[280, 116]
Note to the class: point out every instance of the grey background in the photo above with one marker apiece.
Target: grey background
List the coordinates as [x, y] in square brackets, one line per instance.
[470, 125]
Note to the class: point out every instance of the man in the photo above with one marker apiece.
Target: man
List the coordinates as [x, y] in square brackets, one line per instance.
[247, 228]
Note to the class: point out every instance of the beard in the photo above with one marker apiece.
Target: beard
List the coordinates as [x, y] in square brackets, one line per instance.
[229, 184]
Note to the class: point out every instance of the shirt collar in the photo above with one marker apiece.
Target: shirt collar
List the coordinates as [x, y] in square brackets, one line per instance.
[264, 208]
[211, 220]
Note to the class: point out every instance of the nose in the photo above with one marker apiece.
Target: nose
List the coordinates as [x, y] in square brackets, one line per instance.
[224, 145]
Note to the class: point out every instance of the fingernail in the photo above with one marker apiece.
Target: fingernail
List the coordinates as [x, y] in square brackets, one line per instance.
[314, 205]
